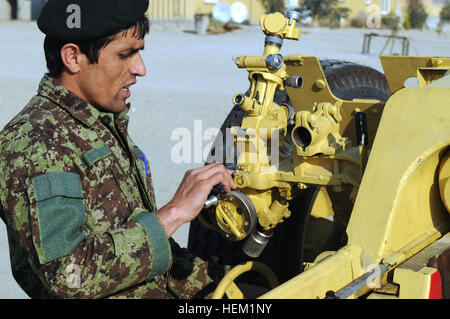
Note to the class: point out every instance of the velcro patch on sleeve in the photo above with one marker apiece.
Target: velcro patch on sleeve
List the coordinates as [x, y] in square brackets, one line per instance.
[60, 214]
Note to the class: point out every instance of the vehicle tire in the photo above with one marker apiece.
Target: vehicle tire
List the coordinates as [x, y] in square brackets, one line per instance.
[348, 80]
[285, 250]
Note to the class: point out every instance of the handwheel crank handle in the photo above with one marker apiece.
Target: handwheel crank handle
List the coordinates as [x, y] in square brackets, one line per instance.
[211, 201]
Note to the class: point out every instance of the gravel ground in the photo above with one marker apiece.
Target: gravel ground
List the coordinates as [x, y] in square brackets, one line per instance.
[191, 79]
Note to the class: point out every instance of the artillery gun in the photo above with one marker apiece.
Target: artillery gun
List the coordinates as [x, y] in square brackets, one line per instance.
[343, 177]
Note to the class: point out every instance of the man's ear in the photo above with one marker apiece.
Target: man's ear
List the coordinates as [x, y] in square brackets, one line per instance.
[71, 57]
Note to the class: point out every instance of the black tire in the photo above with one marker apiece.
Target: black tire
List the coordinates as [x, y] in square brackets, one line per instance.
[285, 252]
[349, 80]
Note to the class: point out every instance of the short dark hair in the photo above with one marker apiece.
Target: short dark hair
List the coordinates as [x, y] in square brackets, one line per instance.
[91, 48]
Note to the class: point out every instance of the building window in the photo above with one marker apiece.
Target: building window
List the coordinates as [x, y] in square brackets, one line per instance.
[385, 6]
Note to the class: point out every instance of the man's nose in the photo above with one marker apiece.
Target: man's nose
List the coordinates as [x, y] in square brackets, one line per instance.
[138, 66]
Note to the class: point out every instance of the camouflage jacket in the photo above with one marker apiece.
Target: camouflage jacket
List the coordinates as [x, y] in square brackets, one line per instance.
[76, 195]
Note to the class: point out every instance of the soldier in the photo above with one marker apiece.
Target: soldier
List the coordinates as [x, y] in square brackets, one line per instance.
[76, 192]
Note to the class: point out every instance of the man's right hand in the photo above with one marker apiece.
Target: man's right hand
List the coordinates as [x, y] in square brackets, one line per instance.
[192, 194]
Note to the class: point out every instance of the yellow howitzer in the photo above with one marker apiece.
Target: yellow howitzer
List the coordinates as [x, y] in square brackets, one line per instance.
[393, 197]
[320, 150]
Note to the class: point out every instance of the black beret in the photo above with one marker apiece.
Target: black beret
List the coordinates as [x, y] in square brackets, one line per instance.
[76, 20]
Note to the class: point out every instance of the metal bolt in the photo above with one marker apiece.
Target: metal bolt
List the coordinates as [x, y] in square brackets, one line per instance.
[274, 62]
[295, 82]
[239, 180]
[225, 207]
[320, 84]
[302, 186]
[293, 15]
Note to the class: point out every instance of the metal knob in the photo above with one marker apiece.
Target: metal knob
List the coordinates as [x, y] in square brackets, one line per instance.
[274, 62]
[293, 15]
[295, 82]
[211, 201]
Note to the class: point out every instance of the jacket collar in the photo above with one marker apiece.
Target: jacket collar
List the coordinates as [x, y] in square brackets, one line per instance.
[76, 106]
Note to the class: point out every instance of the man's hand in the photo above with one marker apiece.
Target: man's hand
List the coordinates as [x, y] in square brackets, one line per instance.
[192, 194]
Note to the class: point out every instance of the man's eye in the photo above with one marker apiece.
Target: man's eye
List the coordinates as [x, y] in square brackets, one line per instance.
[128, 55]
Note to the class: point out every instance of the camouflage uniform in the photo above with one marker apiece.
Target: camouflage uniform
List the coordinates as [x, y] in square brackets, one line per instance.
[76, 195]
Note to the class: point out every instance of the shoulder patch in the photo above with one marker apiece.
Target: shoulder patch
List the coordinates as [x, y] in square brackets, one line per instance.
[137, 151]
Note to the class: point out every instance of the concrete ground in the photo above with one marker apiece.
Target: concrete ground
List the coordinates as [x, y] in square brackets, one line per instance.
[190, 82]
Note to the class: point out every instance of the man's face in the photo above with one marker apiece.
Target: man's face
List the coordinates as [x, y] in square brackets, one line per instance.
[106, 84]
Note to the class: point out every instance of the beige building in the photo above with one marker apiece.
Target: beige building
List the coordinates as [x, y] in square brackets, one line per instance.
[186, 9]
[398, 7]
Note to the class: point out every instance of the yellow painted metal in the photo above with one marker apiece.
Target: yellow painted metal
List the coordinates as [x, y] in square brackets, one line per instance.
[328, 159]
[313, 131]
[228, 286]
[387, 289]
[444, 180]
[316, 90]
[427, 75]
[277, 24]
[273, 23]
[261, 131]
[322, 207]
[399, 201]
[396, 214]
[230, 219]
[233, 292]
[413, 284]
[398, 69]
[398, 207]
[331, 273]
[416, 245]
[443, 82]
